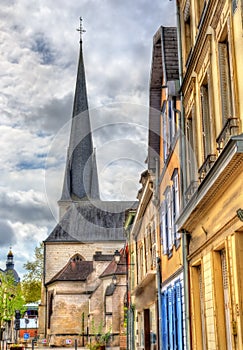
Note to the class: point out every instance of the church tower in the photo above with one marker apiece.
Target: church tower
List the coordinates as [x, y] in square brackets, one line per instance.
[81, 246]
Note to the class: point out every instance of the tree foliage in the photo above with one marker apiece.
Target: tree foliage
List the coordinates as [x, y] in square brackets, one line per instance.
[31, 283]
[11, 297]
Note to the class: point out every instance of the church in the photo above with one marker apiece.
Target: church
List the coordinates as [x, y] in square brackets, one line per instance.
[79, 296]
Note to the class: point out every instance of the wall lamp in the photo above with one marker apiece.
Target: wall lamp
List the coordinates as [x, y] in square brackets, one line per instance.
[117, 256]
[114, 281]
[240, 214]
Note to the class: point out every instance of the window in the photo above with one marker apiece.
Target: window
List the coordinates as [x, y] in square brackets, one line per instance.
[153, 242]
[198, 303]
[163, 228]
[168, 220]
[141, 264]
[202, 306]
[226, 297]
[205, 113]
[190, 156]
[225, 81]
[222, 299]
[175, 205]
[148, 247]
[169, 212]
[164, 133]
[50, 308]
[172, 119]
[187, 26]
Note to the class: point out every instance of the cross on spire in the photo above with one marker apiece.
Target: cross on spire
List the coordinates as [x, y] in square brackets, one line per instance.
[80, 29]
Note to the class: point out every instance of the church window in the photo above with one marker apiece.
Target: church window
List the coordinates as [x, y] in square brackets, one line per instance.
[108, 304]
[77, 258]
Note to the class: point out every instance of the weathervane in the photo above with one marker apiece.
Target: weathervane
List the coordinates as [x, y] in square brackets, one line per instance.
[80, 29]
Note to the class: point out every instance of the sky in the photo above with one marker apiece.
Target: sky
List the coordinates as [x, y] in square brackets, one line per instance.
[39, 47]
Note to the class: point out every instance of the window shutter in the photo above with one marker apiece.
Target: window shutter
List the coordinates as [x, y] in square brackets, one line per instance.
[164, 320]
[170, 122]
[226, 298]
[187, 10]
[164, 136]
[205, 120]
[169, 216]
[163, 228]
[179, 324]
[176, 202]
[170, 317]
[174, 320]
[225, 85]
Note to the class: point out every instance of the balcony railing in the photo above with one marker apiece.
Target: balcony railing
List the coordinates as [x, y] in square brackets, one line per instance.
[206, 166]
[230, 128]
[191, 189]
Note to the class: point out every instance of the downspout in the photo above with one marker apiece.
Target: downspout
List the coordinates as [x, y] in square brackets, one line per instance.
[45, 293]
[158, 260]
[158, 271]
[183, 179]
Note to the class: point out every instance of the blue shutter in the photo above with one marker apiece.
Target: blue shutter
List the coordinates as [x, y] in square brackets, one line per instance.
[179, 324]
[164, 320]
[174, 320]
[170, 317]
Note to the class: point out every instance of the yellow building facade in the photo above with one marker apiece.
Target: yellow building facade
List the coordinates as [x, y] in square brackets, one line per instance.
[211, 37]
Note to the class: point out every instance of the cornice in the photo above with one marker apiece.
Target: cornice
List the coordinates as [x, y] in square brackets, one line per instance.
[228, 164]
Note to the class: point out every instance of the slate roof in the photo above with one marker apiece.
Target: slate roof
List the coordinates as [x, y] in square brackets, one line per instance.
[116, 268]
[74, 270]
[170, 53]
[90, 221]
[164, 67]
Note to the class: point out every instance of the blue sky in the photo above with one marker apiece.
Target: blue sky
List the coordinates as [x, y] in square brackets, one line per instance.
[39, 53]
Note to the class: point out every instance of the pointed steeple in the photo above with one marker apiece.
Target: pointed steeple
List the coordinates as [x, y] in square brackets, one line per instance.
[81, 179]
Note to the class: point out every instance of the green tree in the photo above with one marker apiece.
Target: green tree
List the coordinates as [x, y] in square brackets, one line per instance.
[31, 283]
[11, 297]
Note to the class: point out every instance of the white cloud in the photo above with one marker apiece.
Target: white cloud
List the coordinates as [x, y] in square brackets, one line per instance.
[39, 53]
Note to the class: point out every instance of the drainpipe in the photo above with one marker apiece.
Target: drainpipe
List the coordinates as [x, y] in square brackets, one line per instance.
[183, 182]
[158, 271]
[158, 260]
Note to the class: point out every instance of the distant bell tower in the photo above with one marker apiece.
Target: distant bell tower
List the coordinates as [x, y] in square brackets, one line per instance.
[10, 266]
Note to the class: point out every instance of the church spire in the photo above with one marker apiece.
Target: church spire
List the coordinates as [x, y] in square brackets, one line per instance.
[81, 179]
